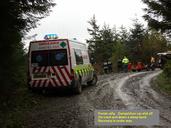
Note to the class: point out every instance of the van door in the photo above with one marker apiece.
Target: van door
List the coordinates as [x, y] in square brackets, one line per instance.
[39, 68]
[59, 62]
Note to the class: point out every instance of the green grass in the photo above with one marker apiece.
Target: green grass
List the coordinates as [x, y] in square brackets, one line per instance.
[163, 82]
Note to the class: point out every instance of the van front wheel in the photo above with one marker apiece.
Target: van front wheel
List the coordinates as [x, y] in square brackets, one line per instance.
[93, 81]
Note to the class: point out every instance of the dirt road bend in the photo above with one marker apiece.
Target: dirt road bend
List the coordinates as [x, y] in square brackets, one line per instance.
[117, 91]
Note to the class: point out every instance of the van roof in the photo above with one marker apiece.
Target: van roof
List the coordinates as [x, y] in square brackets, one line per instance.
[75, 41]
[164, 53]
[37, 41]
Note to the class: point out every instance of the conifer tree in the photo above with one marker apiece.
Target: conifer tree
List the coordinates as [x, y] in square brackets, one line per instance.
[158, 14]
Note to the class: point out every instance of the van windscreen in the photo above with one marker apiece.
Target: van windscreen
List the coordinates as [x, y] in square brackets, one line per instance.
[49, 57]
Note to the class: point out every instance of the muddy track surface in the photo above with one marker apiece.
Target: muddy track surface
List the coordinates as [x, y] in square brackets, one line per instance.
[138, 94]
[113, 91]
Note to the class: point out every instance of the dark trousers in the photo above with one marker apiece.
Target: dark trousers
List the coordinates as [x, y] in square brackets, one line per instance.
[125, 67]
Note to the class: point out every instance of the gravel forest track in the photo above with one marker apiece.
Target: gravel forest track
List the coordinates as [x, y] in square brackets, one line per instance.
[117, 91]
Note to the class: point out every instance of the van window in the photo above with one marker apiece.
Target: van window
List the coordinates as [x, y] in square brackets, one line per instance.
[49, 57]
[58, 57]
[40, 58]
[78, 56]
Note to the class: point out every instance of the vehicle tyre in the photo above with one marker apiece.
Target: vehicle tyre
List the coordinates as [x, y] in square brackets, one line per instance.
[78, 87]
[93, 81]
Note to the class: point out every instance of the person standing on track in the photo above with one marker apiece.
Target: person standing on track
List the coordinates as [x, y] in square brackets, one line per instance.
[152, 59]
[125, 62]
[119, 65]
[152, 66]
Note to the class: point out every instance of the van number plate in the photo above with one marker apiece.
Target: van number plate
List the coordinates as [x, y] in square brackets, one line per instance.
[39, 75]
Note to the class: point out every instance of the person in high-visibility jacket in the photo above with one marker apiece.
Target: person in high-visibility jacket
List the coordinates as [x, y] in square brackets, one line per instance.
[125, 62]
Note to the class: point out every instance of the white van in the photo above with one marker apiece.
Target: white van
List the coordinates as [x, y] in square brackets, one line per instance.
[59, 63]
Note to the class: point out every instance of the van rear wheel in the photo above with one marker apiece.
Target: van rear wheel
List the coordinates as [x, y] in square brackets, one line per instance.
[78, 87]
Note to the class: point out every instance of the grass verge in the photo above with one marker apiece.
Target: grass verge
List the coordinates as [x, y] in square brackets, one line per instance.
[14, 108]
[163, 83]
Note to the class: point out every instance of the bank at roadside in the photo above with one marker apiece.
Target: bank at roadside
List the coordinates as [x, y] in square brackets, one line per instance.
[163, 82]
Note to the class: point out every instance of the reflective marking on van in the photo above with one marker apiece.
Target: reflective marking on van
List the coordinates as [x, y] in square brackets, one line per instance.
[47, 83]
[56, 81]
[66, 76]
[36, 69]
[41, 83]
[66, 70]
[61, 76]
[52, 82]
[36, 83]
[50, 75]
[57, 75]
[42, 69]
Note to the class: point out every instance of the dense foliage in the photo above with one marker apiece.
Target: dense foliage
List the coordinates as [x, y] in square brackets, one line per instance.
[17, 17]
[158, 14]
[167, 69]
[135, 43]
[138, 43]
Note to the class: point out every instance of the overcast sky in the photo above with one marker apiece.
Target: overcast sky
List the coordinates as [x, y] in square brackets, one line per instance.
[69, 18]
